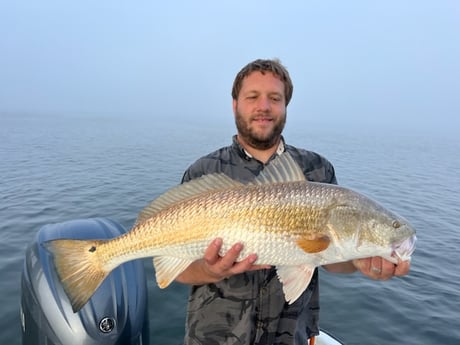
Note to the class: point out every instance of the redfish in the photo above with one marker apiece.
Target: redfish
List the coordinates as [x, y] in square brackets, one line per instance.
[289, 222]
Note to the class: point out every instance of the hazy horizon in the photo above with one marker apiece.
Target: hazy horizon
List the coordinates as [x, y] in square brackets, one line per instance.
[390, 63]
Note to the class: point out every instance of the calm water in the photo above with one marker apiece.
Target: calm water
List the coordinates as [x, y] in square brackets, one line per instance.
[55, 169]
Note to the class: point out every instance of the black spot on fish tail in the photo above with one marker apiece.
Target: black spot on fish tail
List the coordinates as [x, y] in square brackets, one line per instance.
[78, 267]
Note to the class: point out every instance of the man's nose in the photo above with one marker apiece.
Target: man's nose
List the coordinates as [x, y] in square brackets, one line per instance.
[263, 103]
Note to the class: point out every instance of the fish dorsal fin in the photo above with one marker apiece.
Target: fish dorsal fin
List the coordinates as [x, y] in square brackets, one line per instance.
[185, 191]
[282, 169]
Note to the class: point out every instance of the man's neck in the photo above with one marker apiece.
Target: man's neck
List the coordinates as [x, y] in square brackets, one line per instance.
[262, 155]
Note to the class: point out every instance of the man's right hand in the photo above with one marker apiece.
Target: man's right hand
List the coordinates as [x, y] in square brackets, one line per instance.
[213, 267]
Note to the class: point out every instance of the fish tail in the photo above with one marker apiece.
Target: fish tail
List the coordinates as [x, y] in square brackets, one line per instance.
[79, 267]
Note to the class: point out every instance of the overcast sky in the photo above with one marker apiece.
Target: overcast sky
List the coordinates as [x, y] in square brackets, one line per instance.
[351, 61]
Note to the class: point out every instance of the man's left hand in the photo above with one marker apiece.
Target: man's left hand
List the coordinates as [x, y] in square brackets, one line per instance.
[381, 269]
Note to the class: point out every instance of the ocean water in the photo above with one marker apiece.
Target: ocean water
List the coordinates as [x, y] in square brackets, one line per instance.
[59, 168]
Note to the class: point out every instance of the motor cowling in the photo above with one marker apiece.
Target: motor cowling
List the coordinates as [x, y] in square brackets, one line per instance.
[116, 314]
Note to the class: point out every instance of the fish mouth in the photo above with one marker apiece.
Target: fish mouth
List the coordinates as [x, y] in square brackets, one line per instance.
[404, 249]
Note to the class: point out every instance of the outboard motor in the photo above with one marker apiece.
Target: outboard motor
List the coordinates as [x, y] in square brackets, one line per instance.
[115, 314]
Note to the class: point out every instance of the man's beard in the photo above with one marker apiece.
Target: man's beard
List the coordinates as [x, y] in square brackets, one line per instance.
[255, 140]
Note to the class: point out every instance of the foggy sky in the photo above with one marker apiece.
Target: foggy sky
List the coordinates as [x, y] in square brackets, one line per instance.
[350, 61]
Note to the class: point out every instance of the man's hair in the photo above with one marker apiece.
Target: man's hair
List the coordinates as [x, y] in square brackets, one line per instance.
[274, 66]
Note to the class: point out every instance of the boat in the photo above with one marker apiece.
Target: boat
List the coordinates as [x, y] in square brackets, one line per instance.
[325, 338]
[116, 314]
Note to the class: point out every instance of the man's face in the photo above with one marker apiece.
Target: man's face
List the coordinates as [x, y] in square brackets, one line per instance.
[260, 110]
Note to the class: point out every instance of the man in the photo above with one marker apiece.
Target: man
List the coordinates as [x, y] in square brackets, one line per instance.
[242, 302]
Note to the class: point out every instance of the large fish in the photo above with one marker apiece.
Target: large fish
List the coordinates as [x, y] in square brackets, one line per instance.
[289, 222]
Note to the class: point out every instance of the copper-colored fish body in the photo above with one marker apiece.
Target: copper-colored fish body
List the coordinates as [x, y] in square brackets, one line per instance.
[289, 222]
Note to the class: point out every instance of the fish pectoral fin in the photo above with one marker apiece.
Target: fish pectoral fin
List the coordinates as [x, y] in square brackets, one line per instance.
[167, 268]
[314, 245]
[295, 280]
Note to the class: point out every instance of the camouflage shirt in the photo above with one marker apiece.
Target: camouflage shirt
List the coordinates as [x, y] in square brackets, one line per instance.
[250, 308]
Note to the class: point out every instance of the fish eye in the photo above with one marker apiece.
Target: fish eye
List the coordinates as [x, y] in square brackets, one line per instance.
[396, 224]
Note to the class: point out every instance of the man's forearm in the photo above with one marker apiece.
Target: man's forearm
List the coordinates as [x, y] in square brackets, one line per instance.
[341, 267]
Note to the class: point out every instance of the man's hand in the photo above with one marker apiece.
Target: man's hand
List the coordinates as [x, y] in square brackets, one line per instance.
[381, 269]
[226, 266]
[213, 267]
